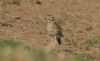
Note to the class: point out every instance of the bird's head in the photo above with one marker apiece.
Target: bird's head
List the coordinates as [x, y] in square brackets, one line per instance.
[49, 17]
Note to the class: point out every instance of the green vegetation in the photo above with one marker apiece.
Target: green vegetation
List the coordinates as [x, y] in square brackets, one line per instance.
[13, 45]
[10, 43]
[91, 42]
[13, 2]
[16, 49]
[78, 57]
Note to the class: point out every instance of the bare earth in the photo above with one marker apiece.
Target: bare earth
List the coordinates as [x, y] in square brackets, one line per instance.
[80, 20]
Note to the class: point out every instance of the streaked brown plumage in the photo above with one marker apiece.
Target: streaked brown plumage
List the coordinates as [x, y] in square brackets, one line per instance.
[53, 29]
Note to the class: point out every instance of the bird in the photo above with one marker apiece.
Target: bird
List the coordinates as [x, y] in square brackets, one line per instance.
[53, 28]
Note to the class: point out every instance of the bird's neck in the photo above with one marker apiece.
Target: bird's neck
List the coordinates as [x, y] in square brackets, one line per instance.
[50, 21]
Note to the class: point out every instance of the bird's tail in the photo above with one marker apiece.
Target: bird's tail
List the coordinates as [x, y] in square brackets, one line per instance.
[58, 40]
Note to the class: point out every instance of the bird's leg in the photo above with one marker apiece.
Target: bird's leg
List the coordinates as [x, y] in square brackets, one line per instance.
[53, 42]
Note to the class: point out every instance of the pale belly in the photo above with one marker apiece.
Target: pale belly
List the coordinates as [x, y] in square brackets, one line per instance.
[51, 29]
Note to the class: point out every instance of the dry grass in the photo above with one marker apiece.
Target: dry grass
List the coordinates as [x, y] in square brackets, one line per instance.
[11, 50]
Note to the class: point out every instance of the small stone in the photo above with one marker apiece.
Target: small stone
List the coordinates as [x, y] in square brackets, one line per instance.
[38, 2]
[17, 17]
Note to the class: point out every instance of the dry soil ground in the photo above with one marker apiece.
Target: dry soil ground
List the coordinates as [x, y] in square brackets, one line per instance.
[80, 20]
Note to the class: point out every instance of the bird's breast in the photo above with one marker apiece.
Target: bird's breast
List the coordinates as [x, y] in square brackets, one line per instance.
[51, 28]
